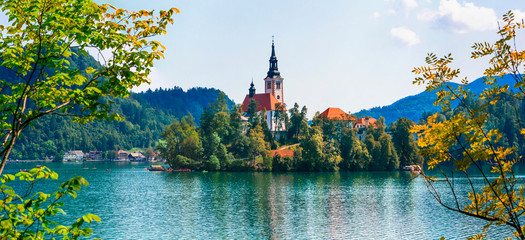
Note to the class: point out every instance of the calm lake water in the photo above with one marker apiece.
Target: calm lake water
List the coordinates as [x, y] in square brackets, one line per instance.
[136, 204]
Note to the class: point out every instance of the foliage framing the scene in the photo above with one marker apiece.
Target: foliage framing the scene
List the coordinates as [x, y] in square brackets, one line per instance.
[465, 140]
[39, 38]
[29, 216]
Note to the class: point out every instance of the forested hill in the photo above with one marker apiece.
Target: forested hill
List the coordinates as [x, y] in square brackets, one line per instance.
[178, 102]
[146, 115]
[414, 106]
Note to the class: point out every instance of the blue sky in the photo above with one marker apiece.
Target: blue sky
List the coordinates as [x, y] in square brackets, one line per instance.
[349, 54]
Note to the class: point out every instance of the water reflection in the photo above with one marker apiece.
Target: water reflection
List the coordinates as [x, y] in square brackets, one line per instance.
[136, 204]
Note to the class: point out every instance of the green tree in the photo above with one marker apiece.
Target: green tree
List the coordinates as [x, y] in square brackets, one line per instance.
[283, 164]
[465, 139]
[182, 162]
[253, 118]
[111, 154]
[235, 123]
[404, 143]
[298, 122]
[280, 117]
[180, 138]
[388, 152]
[42, 34]
[332, 156]
[381, 148]
[312, 150]
[355, 156]
[241, 146]
[212, 163]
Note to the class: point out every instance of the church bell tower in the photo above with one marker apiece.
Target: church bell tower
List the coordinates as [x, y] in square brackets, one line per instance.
[273, 83]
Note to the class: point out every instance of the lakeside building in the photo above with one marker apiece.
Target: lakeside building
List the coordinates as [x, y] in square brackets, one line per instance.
[336, 114]
[122, 155]
[73, 156]
[94, 155]
[361, 126]
[137, 156]
[271, 99]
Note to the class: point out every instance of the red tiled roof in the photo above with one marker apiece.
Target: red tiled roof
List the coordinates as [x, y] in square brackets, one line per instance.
[337, 114]
[282, 153]
[265, 101]
[371, 121]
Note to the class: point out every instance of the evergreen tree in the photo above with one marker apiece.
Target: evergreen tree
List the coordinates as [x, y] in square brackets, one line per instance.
[253, 117]
[355, 156]
[298, 122]
[381, 148]
[404, 143]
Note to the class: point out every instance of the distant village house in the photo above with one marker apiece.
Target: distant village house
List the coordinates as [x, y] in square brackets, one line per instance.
[122, 155]
[137, 157]
[361, 126]
[73, 156]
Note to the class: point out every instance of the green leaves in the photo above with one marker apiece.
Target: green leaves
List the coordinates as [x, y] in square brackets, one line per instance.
[24, 212]
[40, 42]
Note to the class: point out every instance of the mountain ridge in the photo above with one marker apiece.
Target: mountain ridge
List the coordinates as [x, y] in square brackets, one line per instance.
[413, 106]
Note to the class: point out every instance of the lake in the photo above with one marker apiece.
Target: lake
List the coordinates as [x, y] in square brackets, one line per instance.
[136, 204]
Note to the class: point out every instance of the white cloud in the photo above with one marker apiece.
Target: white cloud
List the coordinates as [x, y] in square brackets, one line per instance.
[461, 18]
[409, 4]
[376, 15]
[405, 35]
[518, 15]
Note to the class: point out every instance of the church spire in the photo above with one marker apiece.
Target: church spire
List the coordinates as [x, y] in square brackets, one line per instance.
[274, 71]
[251, 90]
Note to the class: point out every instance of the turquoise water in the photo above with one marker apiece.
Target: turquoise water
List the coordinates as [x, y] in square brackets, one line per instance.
[136, 204]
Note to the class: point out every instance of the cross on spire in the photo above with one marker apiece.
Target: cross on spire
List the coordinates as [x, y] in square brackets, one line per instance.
[274, 71]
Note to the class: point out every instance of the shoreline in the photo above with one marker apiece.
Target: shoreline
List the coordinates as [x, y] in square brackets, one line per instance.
[49, 161]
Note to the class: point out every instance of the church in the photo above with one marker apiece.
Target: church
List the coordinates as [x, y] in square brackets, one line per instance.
[273, 94]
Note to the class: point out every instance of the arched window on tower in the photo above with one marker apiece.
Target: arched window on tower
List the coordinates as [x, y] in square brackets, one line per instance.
[269, 85]
[277, 85]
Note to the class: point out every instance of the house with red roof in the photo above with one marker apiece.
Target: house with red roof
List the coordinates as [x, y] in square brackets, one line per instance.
[283, 153]
[336, 114]
[271, 98]
[365, 122]
[362, 124]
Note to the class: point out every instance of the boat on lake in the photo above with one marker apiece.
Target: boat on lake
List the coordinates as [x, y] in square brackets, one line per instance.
[160, 168]
[157, 168]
